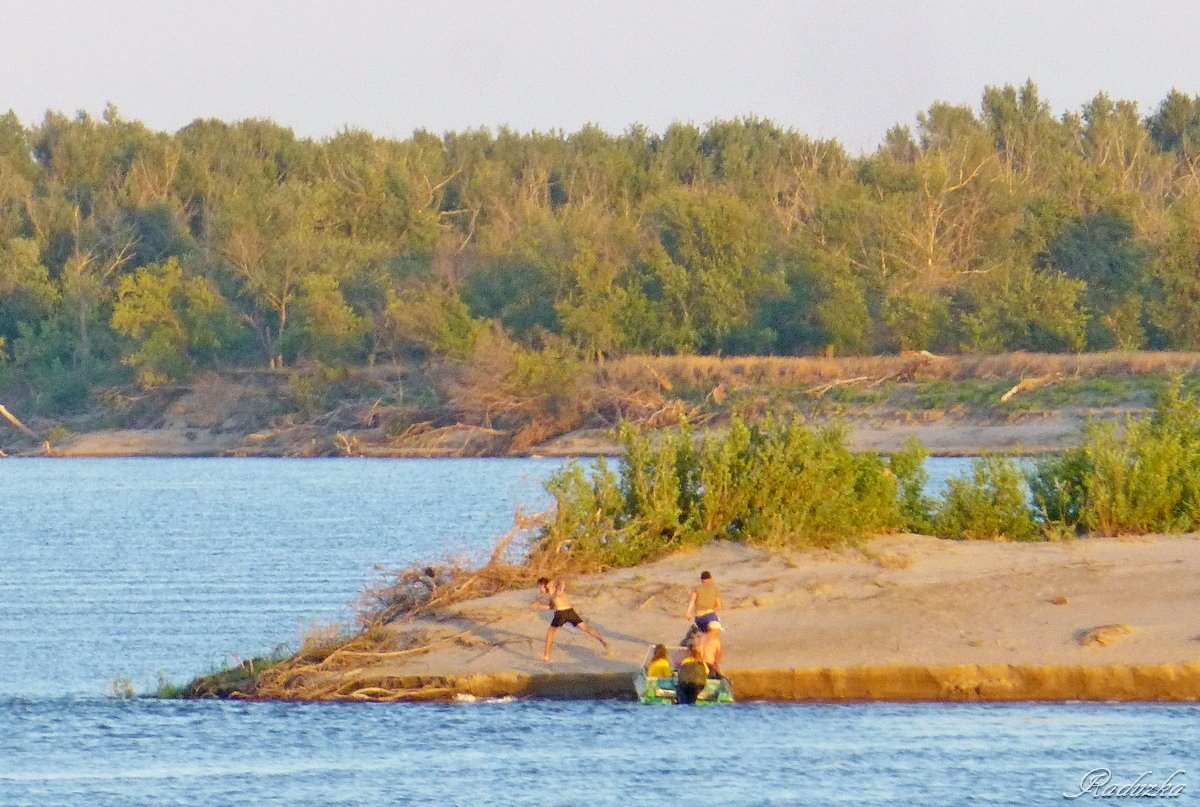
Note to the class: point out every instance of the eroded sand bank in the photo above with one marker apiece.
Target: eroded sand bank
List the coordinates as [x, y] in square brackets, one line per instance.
[905, 618]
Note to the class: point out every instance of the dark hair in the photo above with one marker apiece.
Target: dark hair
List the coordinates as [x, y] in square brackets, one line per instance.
[543, 581]
[660, 651]
[706, 575]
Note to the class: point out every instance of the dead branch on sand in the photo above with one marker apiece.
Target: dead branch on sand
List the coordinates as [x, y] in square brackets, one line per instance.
[1027, 384]
[871, 381]
[323, 674]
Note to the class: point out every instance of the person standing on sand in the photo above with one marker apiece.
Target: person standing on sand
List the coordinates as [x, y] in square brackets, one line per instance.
[558, 602]
[705, 602]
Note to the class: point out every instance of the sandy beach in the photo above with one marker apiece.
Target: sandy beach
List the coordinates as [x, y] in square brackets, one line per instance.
[901, 607]
[948, 436]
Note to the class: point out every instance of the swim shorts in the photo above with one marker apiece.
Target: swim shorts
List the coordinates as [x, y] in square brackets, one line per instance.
[703, 620]
[564, 616]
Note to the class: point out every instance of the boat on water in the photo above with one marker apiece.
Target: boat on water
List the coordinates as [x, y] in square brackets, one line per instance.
[652, 689]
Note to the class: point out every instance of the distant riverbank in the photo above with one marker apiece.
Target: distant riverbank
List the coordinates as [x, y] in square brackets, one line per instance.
[948, 436]
[958, 405]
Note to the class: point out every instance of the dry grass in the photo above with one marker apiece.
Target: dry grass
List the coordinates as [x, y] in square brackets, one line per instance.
[321, 640]
[667, 372]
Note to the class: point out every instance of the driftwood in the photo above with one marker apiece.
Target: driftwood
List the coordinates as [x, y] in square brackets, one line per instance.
[421, 648]
[1027, 384]
[11, 418]
[871, 381]
[817, 392]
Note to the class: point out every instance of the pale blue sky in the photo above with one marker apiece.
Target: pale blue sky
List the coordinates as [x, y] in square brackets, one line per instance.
[832, 69]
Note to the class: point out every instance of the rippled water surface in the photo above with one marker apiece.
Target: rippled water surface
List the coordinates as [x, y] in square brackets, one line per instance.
[128, 567]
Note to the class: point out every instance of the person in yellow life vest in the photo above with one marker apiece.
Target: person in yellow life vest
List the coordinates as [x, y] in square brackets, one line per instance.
[691, 677]
[660, 665]
[705, 602]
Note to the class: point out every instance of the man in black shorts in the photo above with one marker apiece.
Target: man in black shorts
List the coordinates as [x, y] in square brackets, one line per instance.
[558, 602]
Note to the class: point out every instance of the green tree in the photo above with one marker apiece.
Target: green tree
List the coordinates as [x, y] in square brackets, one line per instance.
[824, 307]
[26, 291]
[1020, 308]
[1102, 250]
[174, 322]
[426, 319]
[1175, 125]
[325, 327]
[708, 265]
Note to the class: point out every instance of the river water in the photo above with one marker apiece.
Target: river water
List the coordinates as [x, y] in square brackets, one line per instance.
[117, 570]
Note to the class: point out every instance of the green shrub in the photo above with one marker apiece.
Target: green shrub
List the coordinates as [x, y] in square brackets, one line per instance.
[808, 489]
[1145, 479]
[989, 503]
[1057, 486]
[908, 467]
[237, 677]
[313, 389]
[777, 484]
[589, 507]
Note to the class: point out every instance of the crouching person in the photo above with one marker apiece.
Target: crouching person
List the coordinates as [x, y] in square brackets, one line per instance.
[691, 677]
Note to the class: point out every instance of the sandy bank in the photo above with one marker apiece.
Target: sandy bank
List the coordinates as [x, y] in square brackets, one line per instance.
[948, 436]
[907, 618]
[960, 682]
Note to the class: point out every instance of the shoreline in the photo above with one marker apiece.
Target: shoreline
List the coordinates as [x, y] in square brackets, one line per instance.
[949, 436]
[902, 617]
[960, 683]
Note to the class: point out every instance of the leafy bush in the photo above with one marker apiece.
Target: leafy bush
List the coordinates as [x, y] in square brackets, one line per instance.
[314, 388]
[908, 467]
[777, 484]
[784, 485]
[807, 489]
[989, 503]
[1057, 486]
[1146, 479]
[173, 322]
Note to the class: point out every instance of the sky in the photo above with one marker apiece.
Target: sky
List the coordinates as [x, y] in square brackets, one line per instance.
[833, 69]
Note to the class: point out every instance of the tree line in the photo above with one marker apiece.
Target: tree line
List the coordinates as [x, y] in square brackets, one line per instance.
[130, 252]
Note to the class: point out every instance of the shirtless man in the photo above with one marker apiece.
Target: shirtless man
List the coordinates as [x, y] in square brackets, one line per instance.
[558, 602]
[709, 645]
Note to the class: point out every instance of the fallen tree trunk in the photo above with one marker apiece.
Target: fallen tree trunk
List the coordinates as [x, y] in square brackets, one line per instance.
[11, 418]
[1027, 384]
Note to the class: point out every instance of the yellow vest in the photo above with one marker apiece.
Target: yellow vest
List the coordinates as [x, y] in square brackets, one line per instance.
[660, 668]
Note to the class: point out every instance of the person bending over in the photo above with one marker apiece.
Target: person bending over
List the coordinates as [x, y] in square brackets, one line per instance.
[558, 602]
[691, 677]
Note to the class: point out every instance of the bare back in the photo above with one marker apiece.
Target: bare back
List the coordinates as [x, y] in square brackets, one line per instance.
[709, 645]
